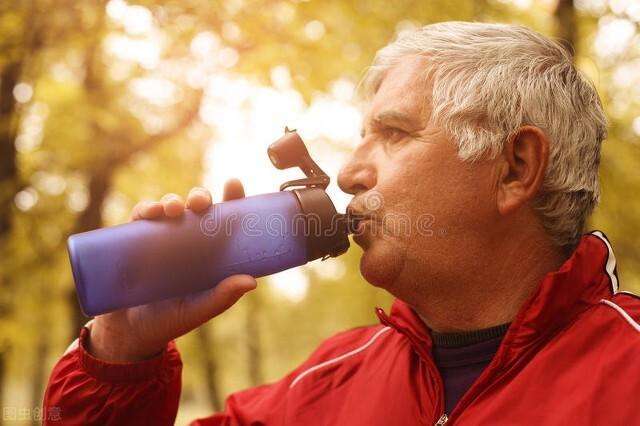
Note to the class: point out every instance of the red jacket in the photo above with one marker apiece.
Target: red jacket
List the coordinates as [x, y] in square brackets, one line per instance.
[570, 357]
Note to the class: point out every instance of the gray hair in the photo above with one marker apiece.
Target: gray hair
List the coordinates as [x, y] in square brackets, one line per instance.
[489, 80]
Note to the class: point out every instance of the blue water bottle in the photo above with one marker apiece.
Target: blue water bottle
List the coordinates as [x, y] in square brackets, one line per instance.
[151, 260]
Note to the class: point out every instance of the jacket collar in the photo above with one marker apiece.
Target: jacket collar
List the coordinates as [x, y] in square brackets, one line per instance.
[587, 277]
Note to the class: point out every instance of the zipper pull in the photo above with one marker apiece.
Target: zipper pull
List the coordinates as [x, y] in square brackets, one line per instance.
[442, 420]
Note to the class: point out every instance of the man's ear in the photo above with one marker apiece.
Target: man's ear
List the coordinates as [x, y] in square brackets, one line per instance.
[525, 157]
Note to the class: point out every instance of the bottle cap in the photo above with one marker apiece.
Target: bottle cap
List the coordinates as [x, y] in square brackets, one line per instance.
[325, 229]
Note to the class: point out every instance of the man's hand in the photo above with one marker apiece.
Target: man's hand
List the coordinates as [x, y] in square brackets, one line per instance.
[141, 332]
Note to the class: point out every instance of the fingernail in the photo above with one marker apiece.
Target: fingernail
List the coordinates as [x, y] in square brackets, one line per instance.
[252, 285]
[199, 191]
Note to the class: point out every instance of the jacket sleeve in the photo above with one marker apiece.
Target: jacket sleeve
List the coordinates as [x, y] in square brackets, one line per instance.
[85, 390]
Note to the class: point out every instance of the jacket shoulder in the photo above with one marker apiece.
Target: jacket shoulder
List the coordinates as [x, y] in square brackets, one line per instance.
[627, 307]
[346, 342]
[344, 352]
[618, 319]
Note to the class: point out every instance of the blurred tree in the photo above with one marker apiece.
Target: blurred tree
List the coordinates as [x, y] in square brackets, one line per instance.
[253, 338]
[19, 48]
[116, 143]
[111, 133]
[210, 368]
[565, 16]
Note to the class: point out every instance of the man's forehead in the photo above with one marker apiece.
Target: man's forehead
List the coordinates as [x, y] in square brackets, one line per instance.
[405, 89]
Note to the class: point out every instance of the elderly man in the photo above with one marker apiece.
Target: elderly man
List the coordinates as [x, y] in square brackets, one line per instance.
[510, 317]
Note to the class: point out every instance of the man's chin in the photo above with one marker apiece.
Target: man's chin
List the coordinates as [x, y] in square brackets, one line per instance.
[380, 265]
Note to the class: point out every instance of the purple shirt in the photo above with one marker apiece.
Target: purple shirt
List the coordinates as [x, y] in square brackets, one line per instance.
[461, 357]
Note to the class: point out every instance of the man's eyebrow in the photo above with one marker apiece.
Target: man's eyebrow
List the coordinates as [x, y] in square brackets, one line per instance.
[392, 117]
[395, 117]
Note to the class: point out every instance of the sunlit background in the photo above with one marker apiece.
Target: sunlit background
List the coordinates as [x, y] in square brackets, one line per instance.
[107, 103]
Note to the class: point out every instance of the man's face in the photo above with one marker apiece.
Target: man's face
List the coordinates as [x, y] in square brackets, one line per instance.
[406, 172]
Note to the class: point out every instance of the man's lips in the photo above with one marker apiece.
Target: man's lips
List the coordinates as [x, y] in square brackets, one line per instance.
[356, 220]
[362, 224]
[364, 232]
[360, 221]
[354, 212]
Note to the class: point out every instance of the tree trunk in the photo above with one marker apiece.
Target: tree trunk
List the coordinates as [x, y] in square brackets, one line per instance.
[210, 368]
[39, 374]
[9, 185]
[3, 370]
[565, 20]
[8, 128]
[10, 182]
[252, 331]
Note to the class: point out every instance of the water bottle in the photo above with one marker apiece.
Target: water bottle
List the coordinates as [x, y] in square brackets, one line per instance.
[151, 260]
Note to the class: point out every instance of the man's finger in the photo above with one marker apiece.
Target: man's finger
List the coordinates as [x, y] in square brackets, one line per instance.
[172, 204]
[233, 190]
[135, 212]
[147, 210]
[203, 306]
[199, 199]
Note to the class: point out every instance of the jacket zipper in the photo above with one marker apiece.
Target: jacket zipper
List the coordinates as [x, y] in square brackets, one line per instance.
[442, 420]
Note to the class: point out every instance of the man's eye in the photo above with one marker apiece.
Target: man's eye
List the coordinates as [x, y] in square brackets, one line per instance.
[394, 135]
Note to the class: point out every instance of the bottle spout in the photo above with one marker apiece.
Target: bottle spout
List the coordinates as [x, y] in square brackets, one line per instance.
[290, 151]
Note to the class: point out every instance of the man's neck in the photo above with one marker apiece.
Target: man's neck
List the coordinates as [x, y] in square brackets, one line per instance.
[478, 299]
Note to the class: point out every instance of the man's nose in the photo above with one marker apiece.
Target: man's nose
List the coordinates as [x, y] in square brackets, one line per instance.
[358, 174]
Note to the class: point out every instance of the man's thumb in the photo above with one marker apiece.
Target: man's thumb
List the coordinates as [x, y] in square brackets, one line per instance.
[211, 303]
